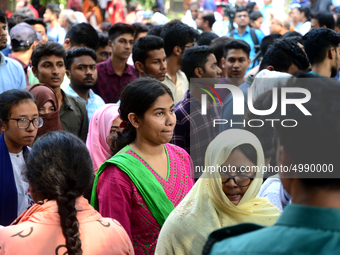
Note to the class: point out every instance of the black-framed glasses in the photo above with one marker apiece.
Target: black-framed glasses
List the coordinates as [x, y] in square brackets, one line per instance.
[23, 123]
[240, 180]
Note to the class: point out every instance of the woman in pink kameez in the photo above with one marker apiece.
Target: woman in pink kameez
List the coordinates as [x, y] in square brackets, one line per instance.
[147, 177]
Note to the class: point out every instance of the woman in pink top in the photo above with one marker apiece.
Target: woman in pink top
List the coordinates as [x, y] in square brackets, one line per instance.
[104, 123]
[147, 177]
[59, 171]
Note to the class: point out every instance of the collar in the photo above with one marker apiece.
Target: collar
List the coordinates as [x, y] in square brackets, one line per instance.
[246, 31]
[3, 59]
[15, 58]
[66, 100]
[110, 71]
[309, 216]
[70, 91]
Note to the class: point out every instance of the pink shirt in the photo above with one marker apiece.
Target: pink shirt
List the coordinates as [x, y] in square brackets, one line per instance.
[119, 198]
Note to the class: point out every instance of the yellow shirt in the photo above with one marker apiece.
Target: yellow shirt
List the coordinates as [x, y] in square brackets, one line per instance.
[178, 90]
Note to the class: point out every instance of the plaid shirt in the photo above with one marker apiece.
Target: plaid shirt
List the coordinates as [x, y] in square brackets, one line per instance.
[110, 85]
[193, 131]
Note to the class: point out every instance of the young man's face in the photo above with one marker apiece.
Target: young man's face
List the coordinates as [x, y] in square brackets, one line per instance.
[49, 16]
[236, 63]
[155, 65]
[122, 46]
[194, 11]
[41, 30]
[103, 53]
[211, 68]
[83, 72]
[50, 70]
[242, 19]
[200, 21]
[314, 23]
[3, 36]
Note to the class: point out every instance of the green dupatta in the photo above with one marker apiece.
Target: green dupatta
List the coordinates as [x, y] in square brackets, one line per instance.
[148, 186]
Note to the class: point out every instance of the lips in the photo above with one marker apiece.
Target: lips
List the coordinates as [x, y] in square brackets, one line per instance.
[89, 79]
[55, 79]
[233, 196]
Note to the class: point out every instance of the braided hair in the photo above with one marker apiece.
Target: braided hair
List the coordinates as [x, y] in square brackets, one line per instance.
[59, 168]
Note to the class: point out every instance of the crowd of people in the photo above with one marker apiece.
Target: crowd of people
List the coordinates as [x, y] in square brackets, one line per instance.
[112, 128]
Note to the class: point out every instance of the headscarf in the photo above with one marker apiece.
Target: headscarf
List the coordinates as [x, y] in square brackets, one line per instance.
[207, 208]
[42, 94]
[99, 130]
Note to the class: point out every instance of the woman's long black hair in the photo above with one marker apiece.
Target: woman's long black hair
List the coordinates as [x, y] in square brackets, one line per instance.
[59, 167]
[136, 98]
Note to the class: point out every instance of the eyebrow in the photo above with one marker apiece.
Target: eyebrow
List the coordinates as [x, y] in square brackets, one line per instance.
[161, 108]
[114, 127]
[25, 116]
[86, 65]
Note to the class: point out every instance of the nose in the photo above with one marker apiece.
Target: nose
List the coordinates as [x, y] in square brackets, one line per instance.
[219, 71]
[231, 183]
[171, 119]
[164, 65]
[30, 127]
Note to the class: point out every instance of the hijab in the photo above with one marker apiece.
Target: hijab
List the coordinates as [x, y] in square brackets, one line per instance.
[99, 130]
[42, 94]
[207, 208]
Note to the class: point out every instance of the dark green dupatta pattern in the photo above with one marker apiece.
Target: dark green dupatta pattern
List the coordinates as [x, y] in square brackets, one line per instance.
[147, 184]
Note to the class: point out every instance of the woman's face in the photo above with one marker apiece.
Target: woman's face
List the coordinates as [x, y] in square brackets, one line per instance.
[257, 23]
[47, 108]
[234, 192]
[158, 123]
[256, 8]
[115, 127]
[15, 137]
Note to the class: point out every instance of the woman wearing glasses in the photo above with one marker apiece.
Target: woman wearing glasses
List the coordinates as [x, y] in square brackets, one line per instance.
[225, 195]
[19, 122]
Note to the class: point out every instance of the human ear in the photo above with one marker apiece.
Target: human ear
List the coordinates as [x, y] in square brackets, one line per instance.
[270, 68]
[134, 120]
[67, 44]
[177, 51]
[223, 62]
[198, 72]
[35, 71]
[140, 67]
[68, 73]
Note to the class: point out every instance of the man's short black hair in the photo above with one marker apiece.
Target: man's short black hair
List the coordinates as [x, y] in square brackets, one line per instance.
[267, 41]
[47, 49]
[306, 10]
[83, 34]
[139, 28]
[15, 19]
[206, 38]
[195, 57]
[119, 29]
[324, 19]
[290, 34]
[3, 17]
[78, 52]
[236, 44]
[217, 45]
[315, 139]
[156, 30]
[175, 33]
[54, 8]
[36, 21]
[282, 54]
[318, 41]
[241, 9]
[103, 40]
[145, 44]
[210, 17]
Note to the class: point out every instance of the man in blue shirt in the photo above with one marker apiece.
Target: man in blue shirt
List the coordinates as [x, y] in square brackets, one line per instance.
[310, 225]
[243, 31]
[81, 69]
[12, 75]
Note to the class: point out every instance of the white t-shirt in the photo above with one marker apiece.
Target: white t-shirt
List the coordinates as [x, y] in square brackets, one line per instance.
[24, 196]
